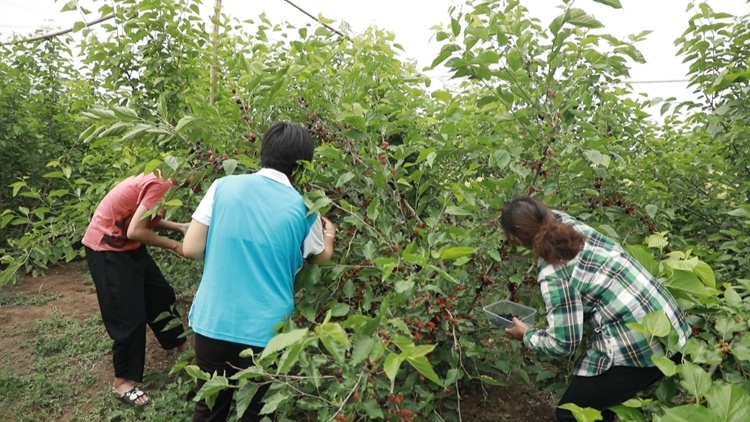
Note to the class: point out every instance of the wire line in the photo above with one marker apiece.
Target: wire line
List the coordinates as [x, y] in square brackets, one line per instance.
[664, 81]
[316, 19]
[58, 33]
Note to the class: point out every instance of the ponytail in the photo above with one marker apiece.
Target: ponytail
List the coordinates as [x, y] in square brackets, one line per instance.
[557, 243]
[530, 222]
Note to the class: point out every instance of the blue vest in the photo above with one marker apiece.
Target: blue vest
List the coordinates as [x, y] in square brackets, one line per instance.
[253, 252]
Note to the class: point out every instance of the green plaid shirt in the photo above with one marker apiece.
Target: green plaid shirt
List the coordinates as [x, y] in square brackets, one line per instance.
[604, 287]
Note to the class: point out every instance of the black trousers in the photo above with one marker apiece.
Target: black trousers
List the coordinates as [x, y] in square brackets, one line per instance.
[132, 292]
[223, 357]
[614, 386]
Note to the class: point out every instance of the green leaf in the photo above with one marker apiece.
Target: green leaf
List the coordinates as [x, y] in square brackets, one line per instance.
[243, 397]
[457, 252]
[361, 349]
[454, 210]
[151, 166]
[339, 309]
[357, 122]
[125, 113]
[597, 158]
[705, 273]
[743, 212]
[579, 18]
[116, 129]
[20, 184]
[334, 339]
[421, 350]
[172, 161]
[645, 257]
[558, 22]
[657, 240]
[182, 124]
[69, 6]
[455, 27]
[726, 326]
[730, 402]
[308, 276]
[689, 413]
[344, 178]
[491, 381]
[135, 132]
[741, 349]
[290, 357]
[272, 403]
[373, 410]
[695, 380]
[423, 366]
[210, 389]
[612, 3]
[196, 373]
[628, 413]
[283, 340]
[373, 211]
[686, 285]
[78, 26]
[391, 364]
[582, 414]
[229, 165]
[656, 323]
[452, 376]
[665, 365]
[502, 158]
[402, 286]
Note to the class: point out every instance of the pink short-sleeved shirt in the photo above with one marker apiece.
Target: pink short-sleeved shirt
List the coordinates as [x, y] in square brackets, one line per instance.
[108, 229]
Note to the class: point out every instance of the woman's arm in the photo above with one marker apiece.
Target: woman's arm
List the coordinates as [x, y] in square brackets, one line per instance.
[329, 236]
[172, 226]
[138, 231]
[194, 245]
[564, 319]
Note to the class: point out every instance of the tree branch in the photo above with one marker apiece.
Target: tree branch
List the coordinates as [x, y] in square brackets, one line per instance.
[215, 46]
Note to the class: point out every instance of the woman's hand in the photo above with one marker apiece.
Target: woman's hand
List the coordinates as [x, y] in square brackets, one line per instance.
[517, 330]
[328, 227]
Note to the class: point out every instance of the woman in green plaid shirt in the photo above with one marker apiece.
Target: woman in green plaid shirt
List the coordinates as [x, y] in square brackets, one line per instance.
[586, 278]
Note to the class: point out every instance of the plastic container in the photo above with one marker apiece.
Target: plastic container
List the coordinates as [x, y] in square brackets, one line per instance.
[499, 313]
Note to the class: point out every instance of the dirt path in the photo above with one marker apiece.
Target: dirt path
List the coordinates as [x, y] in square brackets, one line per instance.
[68, 292]
[74, 299]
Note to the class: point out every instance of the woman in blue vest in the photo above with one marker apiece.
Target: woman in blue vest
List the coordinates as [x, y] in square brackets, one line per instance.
[254, 233]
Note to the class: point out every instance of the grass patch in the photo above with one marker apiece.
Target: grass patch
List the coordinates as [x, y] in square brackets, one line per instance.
[64, 351]
[169, 404]
[25, 299]
[63, 382]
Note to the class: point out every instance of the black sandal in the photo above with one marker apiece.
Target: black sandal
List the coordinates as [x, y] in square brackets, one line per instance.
[131, 397]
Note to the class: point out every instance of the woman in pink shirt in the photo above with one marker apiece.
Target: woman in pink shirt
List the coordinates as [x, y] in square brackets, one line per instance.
[130, 288]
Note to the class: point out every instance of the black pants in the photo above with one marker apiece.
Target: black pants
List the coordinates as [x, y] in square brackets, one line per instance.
[132, 292]
[223, 357]
[612, 387]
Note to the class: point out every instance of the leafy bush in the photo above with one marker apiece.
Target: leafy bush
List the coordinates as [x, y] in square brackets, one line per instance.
[415, 180]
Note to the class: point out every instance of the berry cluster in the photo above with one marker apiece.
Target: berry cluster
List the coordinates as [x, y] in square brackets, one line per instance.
[318, 131]
[594, 201]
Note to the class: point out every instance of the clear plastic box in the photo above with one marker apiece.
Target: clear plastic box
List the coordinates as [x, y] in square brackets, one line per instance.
[498, 311]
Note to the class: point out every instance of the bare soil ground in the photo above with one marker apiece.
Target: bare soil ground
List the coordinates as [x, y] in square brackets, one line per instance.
[74, 296]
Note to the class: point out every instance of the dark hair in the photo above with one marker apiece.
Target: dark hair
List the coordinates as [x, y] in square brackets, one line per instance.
[284, 144]
[531, 222]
